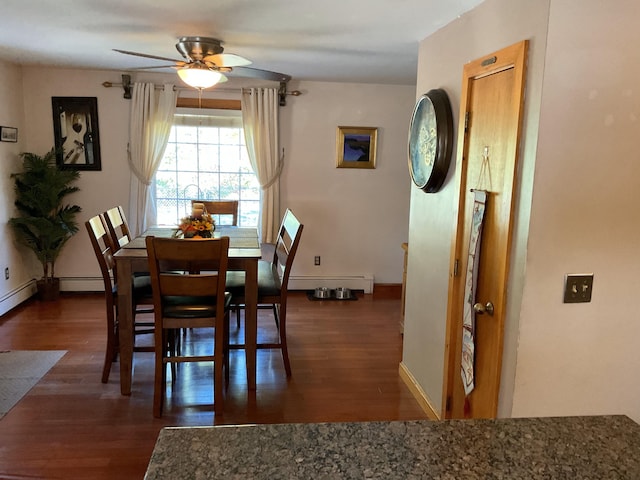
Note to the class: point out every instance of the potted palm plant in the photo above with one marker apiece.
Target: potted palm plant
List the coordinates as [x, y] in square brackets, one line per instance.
[45, 224]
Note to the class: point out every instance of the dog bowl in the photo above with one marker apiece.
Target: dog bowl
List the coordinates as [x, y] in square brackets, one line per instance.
[343, 293]
[322, 292]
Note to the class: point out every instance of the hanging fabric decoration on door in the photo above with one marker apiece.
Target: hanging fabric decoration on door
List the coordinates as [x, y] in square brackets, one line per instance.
[468, 317]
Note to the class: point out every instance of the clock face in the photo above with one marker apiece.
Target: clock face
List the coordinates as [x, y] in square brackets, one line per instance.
[430, 140]
[424, 140]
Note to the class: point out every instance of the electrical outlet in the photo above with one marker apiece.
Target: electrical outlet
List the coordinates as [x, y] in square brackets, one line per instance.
[6, 273]
[578, 287]
[316, 260]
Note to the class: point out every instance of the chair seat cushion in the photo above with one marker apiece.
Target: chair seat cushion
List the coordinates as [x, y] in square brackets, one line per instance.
[268, 280]
[140, 286]
[192, 307]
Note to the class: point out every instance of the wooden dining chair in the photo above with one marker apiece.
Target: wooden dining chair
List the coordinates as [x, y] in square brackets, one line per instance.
[273, 281]
[221, 207]
[118, 228]
[103, 249]
[188, 283]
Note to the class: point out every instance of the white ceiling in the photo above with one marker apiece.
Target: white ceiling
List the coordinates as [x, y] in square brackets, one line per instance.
[367, 41]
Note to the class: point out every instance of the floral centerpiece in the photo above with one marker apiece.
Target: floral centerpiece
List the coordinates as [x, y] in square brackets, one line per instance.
[198, 224]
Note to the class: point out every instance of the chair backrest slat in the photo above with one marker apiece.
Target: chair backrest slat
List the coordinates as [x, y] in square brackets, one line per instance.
[188, 284]
[116, 223]
[221, 207]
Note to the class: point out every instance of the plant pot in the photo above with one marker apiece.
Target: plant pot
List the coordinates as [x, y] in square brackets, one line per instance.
[48, 291]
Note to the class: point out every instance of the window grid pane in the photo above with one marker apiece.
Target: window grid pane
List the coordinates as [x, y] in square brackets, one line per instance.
[209, 163]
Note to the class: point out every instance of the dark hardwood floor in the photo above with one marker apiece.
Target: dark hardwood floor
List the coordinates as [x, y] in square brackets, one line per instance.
[344, 357]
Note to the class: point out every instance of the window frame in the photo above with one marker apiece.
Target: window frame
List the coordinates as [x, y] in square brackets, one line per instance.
[249, 207]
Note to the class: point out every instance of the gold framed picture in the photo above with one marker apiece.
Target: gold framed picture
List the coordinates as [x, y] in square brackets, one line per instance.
[356, 147]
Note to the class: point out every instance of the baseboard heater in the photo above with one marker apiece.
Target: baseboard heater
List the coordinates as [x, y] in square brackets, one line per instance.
[358, 282]
[81, 284]
[18, 295]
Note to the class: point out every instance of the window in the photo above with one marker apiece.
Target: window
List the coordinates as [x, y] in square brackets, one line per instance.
[206, 158]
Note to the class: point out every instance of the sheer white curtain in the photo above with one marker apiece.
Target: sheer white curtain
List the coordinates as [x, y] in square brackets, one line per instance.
[260, 124]
[151, 120]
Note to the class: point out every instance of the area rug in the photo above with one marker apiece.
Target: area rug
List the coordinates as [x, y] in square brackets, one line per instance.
[20, 370]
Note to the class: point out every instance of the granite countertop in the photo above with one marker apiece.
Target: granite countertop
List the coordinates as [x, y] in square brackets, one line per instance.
[598, 448]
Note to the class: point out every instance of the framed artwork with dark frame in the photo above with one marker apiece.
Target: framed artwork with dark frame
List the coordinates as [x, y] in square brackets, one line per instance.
[76, 132]
[356, 147]
[8, 134]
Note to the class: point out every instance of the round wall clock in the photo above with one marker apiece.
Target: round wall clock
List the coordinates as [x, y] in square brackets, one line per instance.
[430, 140]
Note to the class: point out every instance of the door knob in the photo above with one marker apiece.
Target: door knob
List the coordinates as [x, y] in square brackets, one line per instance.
[481, 309]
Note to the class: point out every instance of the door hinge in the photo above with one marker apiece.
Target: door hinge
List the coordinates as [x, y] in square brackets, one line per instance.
[466, 121]
[456, 266]
[447, 404]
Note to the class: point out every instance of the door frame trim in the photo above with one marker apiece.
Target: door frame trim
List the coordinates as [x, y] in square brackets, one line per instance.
[514, 57]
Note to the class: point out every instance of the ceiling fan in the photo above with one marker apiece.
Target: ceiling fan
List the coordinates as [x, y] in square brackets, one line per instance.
[205, 63]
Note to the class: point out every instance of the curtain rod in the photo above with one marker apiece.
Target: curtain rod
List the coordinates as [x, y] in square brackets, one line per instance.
[127, 86]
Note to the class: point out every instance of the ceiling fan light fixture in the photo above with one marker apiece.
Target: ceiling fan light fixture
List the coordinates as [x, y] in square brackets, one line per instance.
[199, 77]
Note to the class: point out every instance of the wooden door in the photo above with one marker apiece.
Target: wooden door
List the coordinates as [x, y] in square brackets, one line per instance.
[490, 112]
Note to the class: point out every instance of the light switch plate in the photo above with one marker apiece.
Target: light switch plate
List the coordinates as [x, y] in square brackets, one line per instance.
[578, 287]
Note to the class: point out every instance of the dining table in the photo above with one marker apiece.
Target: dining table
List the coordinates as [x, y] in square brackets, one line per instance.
[244, 253]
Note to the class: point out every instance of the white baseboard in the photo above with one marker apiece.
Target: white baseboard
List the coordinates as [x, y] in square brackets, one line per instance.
[17, 296]
[364, 282]
[418, 393]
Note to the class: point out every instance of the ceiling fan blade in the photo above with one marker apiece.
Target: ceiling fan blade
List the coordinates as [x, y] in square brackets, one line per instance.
[249, 72]
[175, 65]
[145, 55]
[227, 60]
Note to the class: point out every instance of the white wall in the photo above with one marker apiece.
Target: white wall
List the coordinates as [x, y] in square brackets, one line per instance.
[11, 115]
[99, 190]
[493, 25]
[583, 358]
[355, 219]
[16, 288]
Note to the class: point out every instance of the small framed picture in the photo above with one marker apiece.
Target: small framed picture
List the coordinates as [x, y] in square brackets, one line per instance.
[76, 132]
[8, 134]
[356, 147]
